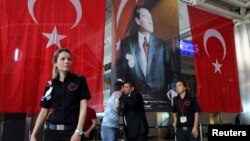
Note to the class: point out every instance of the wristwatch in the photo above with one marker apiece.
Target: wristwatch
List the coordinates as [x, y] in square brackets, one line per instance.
[79, 132]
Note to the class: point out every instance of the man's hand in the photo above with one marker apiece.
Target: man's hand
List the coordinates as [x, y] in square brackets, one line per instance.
[119, 93]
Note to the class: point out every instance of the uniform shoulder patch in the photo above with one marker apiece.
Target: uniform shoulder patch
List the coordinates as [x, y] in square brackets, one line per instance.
[49, 83]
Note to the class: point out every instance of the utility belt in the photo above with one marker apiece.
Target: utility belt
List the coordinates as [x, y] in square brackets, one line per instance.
[52, 126]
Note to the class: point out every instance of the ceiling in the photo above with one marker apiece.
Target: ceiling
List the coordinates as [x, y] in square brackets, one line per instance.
[234, 9]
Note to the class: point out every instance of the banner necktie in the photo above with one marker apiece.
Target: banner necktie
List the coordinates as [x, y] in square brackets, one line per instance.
[145, 47]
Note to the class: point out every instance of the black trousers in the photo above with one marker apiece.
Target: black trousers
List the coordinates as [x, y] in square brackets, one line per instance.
[141, 137]
[58, 135]
[185, 135]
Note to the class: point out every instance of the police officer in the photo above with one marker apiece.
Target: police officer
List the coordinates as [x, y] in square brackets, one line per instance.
[185, 114]
[67, 95]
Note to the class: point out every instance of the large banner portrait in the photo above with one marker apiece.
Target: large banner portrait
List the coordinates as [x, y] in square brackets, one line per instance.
[145, 49]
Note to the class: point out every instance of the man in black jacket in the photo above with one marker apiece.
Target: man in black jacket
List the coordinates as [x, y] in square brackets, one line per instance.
[135, 122]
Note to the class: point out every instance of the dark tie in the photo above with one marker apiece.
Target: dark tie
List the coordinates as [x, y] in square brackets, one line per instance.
[145, 47]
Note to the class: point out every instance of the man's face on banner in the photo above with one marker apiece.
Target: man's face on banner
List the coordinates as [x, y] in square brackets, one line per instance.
[145, 21]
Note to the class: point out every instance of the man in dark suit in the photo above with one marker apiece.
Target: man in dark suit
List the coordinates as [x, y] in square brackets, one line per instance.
[135, 122]
[146, 60]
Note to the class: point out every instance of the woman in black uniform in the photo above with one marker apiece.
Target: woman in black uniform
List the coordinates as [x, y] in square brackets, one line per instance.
[66, 94]
[185, 114]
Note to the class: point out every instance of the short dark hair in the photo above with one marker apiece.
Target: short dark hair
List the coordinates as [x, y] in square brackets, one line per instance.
[136, 13]
[118, 85]
[130, 82]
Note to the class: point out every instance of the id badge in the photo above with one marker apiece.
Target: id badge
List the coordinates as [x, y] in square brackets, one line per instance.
[183, 119]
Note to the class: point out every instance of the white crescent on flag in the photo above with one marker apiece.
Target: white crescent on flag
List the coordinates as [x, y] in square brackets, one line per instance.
[214, 33]
[76, 3]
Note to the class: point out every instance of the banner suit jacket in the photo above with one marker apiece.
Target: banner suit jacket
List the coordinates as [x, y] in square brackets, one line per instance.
[162, 68]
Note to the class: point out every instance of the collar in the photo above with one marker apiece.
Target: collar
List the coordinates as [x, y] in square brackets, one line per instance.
[185, 97]
[141, 36]
[56, 79]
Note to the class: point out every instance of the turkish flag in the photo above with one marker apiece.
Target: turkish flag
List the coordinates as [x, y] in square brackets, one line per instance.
[215, 62]
[30, 32]
[123, 11]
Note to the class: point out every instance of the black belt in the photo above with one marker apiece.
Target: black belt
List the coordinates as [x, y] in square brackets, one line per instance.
[53, 126]
[185, 128]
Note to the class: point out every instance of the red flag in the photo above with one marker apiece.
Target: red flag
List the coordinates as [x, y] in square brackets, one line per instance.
[216, 68]
[30, 32]
[123, 12]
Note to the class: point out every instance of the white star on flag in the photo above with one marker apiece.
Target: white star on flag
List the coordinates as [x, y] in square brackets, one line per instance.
[217, 66]
[54, 38]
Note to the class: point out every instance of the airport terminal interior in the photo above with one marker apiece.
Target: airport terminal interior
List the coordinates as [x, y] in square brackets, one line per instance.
[160, 123]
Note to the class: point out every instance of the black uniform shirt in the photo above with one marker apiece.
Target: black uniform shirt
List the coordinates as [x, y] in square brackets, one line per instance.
[185, 107]
[65, 99]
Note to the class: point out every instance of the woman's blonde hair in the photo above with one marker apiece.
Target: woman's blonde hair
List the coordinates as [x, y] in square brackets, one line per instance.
[55, 57]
